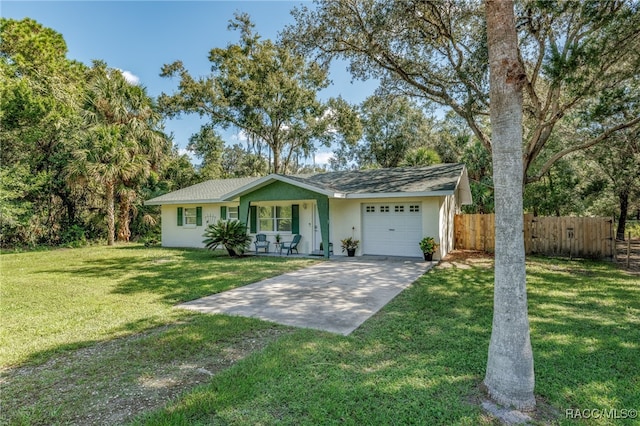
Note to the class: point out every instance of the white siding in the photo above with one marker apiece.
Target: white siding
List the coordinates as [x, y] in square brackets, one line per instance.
[346, 219]
[187, 236]
[448, 210]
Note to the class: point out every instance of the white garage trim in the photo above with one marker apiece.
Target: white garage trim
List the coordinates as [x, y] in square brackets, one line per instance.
[392, 229]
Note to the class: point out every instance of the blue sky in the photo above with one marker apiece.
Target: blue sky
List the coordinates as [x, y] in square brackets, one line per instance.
[139, 37]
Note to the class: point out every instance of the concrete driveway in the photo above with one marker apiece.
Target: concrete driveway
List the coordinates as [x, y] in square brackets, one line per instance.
[336, 296]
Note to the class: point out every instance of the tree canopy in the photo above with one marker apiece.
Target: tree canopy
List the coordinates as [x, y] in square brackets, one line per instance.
[575, 55]
[69, 132]
[392, 127]
[263, 89]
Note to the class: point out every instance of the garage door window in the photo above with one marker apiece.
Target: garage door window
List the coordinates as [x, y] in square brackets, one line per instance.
[370, 209]
[398, 209]
[414, 209]
[384, 209]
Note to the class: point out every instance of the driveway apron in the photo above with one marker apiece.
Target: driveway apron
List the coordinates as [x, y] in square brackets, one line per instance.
[335, 296]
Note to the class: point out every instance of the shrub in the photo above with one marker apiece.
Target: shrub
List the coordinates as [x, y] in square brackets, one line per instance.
[232, 234]
[428, 245]
[349, 244]
[74, 236]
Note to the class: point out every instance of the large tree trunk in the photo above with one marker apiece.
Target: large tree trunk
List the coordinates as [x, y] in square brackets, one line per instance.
[509, 378]
[624, 206]
[124, 233]
[276, 158]
[111, 213]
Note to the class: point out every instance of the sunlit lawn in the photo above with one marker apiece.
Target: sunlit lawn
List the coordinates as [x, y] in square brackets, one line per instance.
[54, 301]
[419, 361]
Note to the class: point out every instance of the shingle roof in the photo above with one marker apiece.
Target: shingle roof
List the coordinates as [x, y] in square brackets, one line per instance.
[440, 178]
[209, 191]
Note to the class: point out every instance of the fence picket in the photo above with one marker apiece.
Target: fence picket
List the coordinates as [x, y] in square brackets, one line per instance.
[543, 235]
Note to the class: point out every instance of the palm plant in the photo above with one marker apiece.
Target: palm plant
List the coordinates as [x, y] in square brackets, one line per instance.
[123, 142]
[104, 160]
[232, 234]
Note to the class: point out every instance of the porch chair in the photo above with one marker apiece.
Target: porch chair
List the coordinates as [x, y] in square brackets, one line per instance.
[292, 245]
[262, 242]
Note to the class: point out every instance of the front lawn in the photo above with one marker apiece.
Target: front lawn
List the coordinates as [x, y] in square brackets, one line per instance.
[55, 301]
[421, 359]
[418, 361]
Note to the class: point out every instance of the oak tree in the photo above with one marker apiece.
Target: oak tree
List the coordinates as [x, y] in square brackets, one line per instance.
[573, 53]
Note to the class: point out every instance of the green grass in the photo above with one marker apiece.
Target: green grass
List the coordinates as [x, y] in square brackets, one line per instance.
[421, 359]
[55, 301]
[633, 227]
[418, 361]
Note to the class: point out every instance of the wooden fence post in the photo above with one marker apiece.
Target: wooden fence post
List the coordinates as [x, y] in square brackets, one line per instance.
[614, 248]
[629, 250]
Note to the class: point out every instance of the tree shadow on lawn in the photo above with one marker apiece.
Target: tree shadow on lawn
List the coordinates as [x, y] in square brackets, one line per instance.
[180, 275]
[107, 382]
[585, 331]
[420, 360]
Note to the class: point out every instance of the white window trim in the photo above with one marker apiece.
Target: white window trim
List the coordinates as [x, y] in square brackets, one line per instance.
[229, 214]
[273, 219]
[194, 216]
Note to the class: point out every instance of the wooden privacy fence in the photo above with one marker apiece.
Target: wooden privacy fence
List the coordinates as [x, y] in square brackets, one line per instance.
[591, 237]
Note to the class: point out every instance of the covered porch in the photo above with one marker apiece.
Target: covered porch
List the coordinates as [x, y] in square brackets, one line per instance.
[279, 209]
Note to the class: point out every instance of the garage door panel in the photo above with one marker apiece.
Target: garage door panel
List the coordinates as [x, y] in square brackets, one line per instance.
[392, 229]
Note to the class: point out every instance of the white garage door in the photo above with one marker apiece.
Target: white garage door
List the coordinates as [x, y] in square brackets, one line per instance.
[392, 229]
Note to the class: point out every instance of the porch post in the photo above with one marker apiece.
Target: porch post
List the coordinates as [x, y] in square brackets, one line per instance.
[243, 211]
[323, 213]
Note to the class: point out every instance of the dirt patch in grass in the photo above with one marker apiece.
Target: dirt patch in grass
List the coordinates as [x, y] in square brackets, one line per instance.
[465, 259]
[111, 382]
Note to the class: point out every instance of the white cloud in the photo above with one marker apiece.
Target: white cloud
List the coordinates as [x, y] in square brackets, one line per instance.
[240, 136]
[130, 77]
[183, 151]
[322, 158]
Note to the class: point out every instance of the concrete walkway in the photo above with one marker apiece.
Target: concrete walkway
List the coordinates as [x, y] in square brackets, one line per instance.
[336, 296]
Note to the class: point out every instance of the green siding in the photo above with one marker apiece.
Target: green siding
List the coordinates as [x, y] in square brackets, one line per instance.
[278, 191]
[179, 216]
[281, 191]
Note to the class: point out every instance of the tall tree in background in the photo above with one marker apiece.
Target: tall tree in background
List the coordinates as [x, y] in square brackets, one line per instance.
[392, 127]
[236, 161]
[574, 55]
[207, 145]
[261, 88]
[50, 118]
[123, 143]
[509, 377]
[619, 161]
[40, 95]
[420, 157]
